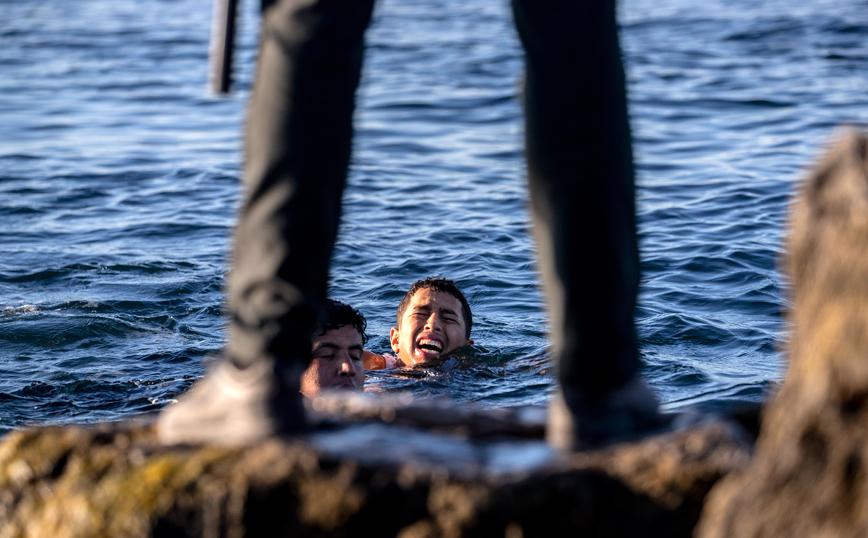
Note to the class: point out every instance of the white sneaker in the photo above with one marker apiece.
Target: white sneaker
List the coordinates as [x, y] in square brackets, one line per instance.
[234, 407]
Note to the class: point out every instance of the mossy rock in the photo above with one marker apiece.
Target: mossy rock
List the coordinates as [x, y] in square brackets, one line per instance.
[118, 481]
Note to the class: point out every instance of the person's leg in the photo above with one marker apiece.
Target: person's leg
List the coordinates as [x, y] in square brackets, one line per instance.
[580, 174]
[297, 152]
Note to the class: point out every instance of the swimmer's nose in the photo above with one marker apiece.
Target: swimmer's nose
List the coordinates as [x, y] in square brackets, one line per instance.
[433, 323]
[347, 368]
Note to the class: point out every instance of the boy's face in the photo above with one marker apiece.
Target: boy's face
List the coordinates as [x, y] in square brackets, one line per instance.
[432, 326]
[336, 362]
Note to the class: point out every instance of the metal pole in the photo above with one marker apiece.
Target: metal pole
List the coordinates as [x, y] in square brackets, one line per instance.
[222, 44]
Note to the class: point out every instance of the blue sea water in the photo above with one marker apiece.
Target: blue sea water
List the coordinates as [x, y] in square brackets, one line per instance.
[120, 182]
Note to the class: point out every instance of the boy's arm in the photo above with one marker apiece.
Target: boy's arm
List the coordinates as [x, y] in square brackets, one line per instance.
[372, 361]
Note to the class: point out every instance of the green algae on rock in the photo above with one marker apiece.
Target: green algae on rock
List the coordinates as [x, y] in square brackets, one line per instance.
[118, 481]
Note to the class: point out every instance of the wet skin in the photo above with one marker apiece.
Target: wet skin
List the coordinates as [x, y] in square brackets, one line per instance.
[336, 362]
[432, 326]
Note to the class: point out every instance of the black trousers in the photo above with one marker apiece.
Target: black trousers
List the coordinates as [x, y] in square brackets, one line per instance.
[580, 176]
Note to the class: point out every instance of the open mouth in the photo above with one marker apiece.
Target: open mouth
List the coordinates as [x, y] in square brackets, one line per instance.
[429, 348]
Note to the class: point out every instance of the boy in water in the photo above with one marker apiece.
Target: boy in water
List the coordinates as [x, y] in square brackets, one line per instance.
[336, 356]
[433, 320]
[297, 153]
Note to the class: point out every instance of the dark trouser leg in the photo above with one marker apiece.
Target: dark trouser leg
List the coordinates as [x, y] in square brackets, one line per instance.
[299, 133]
[298, 145]
[580, 172]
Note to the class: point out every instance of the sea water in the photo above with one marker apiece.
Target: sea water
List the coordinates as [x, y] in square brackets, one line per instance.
[120, 183]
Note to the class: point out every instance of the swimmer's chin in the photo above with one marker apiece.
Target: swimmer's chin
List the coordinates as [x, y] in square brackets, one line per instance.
[457, 353]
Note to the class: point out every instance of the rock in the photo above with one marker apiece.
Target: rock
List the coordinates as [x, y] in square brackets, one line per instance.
[391, 467]
[359, 478]
[809, 474]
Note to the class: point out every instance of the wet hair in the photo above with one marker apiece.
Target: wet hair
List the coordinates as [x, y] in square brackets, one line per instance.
[438, 284]
[340, 315]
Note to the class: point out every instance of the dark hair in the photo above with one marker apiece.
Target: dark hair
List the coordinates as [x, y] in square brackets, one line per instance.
[338, 314]
[438, 284]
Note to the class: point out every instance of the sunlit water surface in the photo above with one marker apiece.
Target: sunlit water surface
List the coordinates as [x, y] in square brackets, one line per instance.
[119, 186]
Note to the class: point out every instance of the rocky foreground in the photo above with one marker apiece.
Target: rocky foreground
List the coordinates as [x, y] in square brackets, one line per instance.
[395, 480]
[410, 470]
